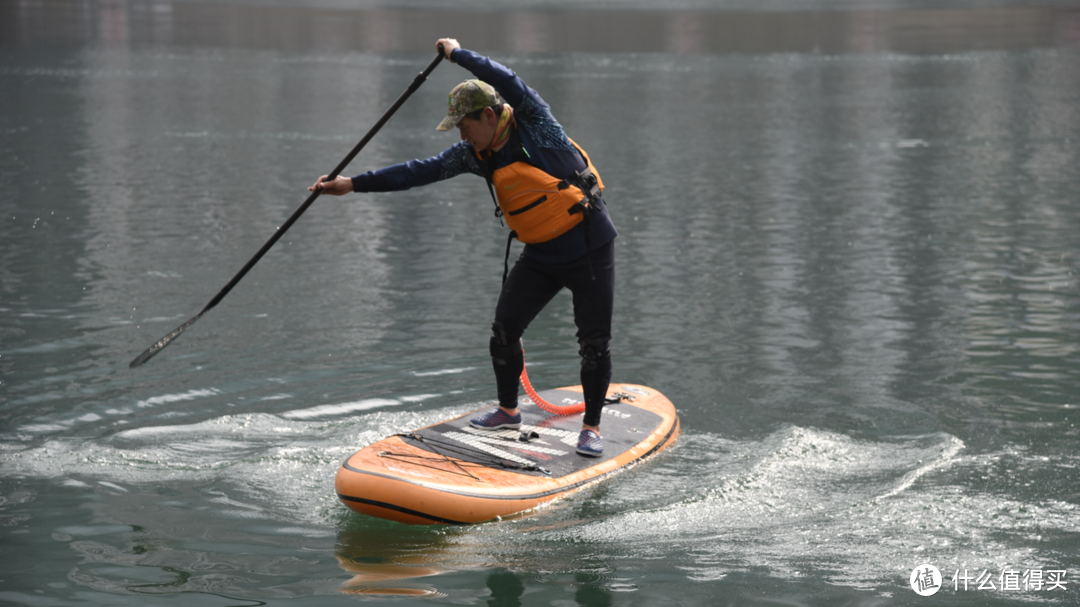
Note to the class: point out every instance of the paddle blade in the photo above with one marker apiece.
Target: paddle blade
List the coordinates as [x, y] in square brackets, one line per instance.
[164, 341]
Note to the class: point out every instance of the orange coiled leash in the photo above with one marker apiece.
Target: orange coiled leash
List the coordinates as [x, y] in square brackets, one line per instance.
[540, 402]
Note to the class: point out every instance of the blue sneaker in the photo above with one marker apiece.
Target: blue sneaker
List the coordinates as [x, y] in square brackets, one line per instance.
[589, 443]
[496, 420]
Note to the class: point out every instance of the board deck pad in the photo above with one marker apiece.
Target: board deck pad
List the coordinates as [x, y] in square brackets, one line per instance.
[622, 427]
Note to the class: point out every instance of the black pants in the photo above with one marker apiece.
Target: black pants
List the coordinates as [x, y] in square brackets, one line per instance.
[529, 287]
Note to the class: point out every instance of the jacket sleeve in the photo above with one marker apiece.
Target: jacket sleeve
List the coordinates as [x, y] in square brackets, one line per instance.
[544, 138]
[450, 163]
[512, 88]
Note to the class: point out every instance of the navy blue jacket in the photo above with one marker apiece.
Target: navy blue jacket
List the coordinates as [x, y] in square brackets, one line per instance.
[543, 138]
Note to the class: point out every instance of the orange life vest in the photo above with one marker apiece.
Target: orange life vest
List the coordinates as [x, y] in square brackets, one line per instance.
[538, 206]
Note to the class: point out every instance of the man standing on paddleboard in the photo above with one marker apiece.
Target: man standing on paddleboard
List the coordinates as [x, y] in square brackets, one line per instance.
[548, 193]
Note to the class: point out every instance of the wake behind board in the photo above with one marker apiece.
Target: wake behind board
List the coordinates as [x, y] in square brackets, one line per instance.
[452, 473]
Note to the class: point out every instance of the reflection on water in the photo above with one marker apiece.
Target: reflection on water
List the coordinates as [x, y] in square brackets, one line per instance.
[499, 28]
[384, 560]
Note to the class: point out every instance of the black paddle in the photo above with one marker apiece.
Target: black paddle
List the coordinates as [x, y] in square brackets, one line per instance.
[164, 341]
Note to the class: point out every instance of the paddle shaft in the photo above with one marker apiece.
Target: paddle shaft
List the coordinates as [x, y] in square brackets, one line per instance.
[164, 341]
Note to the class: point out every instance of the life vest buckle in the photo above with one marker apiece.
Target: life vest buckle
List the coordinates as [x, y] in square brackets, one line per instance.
[586, 181]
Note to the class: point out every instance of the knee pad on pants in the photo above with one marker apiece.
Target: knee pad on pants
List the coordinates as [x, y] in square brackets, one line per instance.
[500, 346]
[593, 352]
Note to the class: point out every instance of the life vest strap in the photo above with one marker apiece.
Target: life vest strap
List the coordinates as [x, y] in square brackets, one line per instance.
[506, 258]
[491, 188]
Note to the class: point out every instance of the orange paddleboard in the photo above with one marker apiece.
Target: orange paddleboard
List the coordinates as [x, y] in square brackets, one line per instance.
[452, 473]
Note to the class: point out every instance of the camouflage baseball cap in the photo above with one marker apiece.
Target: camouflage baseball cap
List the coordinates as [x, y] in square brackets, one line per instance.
[467, 97]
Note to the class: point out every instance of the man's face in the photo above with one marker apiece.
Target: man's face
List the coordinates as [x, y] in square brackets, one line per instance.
[479, 132]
